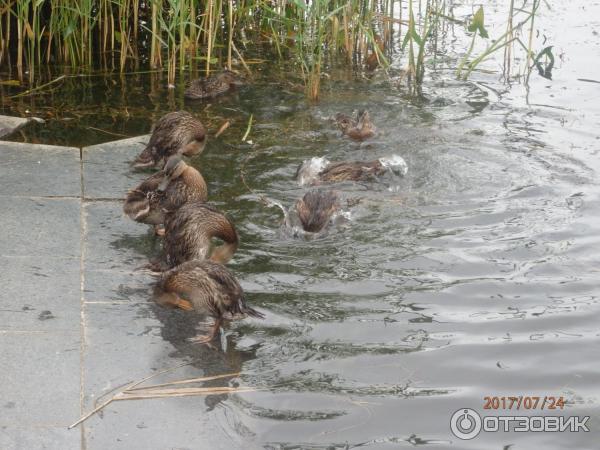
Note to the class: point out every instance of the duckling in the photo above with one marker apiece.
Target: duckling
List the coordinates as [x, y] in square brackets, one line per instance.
[175, 133]
[188, 234]
[316, 210]
[358, 129]
[213, 86]
[320, 170]
[206, 287]
[165, 192]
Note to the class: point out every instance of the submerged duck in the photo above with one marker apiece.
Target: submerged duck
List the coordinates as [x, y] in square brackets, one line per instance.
[189, 231]
[358, 129]
[321, 170]
[175, 133]
[206, 287]
[315, 211]
[164, 192]
[213, 86]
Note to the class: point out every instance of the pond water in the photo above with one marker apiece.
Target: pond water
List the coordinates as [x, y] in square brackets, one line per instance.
[476, 274]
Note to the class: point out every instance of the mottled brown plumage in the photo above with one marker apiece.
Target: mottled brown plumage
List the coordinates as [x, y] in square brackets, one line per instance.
[210, 288]
[164, 192]
[352, 171]
[213, 86]
[320, 170]
[175, 133]
[358, 129]
[189, 231]
[316, 209]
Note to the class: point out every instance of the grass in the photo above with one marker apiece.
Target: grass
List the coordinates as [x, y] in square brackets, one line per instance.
[201, 35]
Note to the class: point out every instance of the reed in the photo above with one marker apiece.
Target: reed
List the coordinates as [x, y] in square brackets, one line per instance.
[181, 35]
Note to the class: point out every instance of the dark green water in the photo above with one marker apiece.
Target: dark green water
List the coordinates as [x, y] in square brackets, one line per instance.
[474, 275]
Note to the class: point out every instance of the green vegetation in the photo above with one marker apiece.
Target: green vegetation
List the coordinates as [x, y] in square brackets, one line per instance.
[187, 35]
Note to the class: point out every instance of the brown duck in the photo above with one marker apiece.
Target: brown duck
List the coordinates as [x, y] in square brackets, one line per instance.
[164, 192]
[175, 133]
[358, 129]
[206, 287]
[213, 86]
[372, 61]
[320, 170]
[189, 231]
[316, 210]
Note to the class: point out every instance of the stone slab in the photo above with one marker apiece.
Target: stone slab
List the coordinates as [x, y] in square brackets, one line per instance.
[118, 286]
[39, 438]
[42, 294]
[130, 341]
[39, 170]
[159, 424]
[10, 124]
[40, 227]
[40, 378]
[106, 168]
[113, 241]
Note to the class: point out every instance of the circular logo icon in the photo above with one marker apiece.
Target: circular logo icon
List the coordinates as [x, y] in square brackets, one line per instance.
[465, 424]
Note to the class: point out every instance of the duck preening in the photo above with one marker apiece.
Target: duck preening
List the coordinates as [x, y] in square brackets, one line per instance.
[320, 170]
[358, 129]
[164, 192]
[175, 133]
[315, 210]
[207, 287]
[189, 232]
[213, 86]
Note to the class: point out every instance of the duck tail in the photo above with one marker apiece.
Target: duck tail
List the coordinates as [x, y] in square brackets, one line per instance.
[250, 312]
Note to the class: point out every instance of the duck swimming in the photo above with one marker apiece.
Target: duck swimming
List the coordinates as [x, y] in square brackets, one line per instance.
[358, 129]
[189, 231]
[320, 170]
[175, 133]
[206, 287]
[315, 211]
[164, 192]
[213, 86]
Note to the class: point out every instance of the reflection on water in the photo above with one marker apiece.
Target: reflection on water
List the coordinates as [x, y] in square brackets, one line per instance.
[475, 274]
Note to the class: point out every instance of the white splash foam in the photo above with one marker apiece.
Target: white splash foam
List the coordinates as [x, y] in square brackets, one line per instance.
[310, 169]
[395, 163]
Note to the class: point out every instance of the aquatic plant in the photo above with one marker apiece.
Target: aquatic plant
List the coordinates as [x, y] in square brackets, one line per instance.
[187, 35]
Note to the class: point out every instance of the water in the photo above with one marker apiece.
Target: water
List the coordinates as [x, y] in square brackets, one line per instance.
[474, 275]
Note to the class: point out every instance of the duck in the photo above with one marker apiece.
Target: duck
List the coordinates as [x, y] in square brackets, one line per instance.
[358, 129]
[321, 170]
[189, 231]
[164, 192]
[372, 61]
[213, 86]
[175, 133]
[315, 211]
[206, 287]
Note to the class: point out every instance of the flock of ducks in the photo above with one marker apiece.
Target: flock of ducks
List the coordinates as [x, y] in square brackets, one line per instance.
[193, 275]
